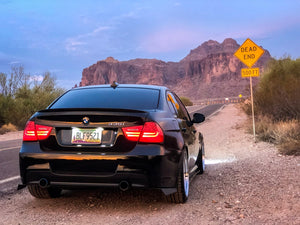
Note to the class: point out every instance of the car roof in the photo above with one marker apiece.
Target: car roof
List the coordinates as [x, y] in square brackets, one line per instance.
[143, 86]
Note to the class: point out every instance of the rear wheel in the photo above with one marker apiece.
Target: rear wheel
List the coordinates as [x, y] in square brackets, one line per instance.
[39, 192]
[201, 161]
[183, 182]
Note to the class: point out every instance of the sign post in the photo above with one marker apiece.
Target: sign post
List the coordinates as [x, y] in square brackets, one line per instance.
[249, 53]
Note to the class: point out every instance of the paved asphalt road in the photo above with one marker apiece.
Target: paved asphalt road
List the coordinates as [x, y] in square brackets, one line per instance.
[9, 150]
[9, 165]
[207, 110]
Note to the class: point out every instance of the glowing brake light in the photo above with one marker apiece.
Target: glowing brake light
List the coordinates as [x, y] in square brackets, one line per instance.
[149, 133]
[36, 132]
[132, 133]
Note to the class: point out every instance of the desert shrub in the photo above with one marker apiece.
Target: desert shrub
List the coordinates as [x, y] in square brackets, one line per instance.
[6, 105]
[19, 98]
[265, 128]
[277, 93]
[186, 101]
[7, 128]
[29, 100]
[287, 136]
[277, 105]
[2, 109]
[246, 107]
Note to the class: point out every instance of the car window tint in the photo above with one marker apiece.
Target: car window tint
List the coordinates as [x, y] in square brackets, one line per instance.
[119, 98]
[182, 111]
[173, 105]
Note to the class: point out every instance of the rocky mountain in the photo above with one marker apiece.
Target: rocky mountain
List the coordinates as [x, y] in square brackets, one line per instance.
[208, 71]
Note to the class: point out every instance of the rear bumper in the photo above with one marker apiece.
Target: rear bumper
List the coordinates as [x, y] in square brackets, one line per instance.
[72, 181]
[150, 166]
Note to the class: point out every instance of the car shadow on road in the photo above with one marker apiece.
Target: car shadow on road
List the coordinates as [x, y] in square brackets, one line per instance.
[101, 199]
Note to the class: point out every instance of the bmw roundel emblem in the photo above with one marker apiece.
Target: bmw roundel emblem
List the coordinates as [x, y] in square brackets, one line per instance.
[85, 120]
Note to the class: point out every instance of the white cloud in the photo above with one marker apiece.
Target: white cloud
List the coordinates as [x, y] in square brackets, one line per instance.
[14, 62]
[132, 15]
[75, 43]
[170, 39]
[97, 30]
[37, 78]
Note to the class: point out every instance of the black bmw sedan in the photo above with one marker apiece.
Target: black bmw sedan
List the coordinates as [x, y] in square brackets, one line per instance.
[112, 136]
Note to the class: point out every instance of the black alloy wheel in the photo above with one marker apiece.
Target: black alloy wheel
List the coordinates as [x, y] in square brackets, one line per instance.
[183, 182]
[201, 160]
[39, 192]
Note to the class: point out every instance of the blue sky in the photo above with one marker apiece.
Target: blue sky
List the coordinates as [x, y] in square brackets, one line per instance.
[64, 37]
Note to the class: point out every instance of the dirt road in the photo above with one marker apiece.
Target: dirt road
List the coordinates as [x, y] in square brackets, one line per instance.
[244, 183]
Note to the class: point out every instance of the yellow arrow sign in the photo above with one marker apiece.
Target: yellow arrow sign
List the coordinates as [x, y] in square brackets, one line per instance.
[250, 72]
[249, 53]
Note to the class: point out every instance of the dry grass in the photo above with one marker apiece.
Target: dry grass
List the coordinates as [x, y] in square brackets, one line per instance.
[265, 128]
[7, 128]
[246, 106]
[286, 135]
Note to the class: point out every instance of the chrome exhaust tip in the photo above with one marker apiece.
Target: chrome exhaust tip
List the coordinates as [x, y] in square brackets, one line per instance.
[43, 183]
[124, 185]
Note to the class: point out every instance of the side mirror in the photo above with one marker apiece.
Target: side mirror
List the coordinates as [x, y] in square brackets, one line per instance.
[198, 118]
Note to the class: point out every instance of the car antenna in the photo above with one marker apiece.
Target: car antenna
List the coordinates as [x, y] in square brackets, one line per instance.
[114, 85]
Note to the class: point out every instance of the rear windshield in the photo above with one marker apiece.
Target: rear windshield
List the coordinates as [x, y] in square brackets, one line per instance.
[119, 98]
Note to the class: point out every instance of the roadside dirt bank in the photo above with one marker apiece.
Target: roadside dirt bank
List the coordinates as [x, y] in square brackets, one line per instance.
[11, 136]
[244, 183]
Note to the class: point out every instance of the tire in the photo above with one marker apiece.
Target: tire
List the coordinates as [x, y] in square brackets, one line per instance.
[201, 161]
[39, 192]
[183, 182]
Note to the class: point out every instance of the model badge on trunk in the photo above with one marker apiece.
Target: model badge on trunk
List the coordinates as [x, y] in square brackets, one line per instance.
[117, 124]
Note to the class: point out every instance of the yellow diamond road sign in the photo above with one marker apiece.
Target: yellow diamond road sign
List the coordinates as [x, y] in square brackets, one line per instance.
[249, 53]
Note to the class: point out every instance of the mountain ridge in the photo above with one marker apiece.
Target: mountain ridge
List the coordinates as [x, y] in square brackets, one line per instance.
[208, 71]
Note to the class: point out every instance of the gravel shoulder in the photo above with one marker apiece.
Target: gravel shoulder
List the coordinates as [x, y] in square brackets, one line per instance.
[244, 183]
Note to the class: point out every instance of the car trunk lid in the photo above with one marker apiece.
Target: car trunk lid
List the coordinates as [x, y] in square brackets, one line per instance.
[91, 129]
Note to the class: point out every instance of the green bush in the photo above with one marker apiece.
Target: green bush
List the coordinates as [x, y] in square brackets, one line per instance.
[186, 101]
[6, 107]
[277, 105]
[277, 93]
[19, 98]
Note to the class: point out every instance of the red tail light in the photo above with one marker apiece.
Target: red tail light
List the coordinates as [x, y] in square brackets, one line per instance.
[36, 132]
[132, 133]
[149, 133]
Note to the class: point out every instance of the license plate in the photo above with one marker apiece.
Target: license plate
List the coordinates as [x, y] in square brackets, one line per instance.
[86, 136]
